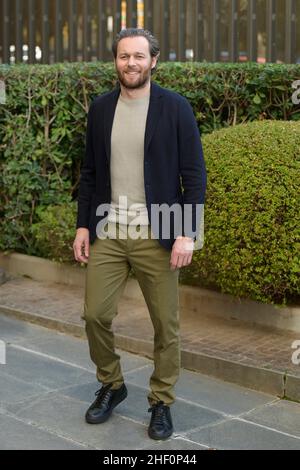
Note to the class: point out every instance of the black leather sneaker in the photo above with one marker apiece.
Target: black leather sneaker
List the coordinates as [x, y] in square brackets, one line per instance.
[107, 399]
[160, 426]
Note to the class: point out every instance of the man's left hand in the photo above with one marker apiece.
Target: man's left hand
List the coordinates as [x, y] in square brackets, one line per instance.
[182, 252]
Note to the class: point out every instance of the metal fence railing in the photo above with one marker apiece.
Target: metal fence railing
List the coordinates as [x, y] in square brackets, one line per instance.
[47, 31]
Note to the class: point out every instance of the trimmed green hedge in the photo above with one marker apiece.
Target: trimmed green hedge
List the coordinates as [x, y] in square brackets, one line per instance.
[252, 213]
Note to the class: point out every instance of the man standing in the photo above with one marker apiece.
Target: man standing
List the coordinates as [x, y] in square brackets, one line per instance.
[143, 151]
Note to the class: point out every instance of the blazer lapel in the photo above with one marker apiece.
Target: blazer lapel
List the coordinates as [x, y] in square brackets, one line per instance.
[109, 119]
[154, 113]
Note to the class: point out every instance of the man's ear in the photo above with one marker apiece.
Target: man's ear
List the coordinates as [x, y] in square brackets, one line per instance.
[155, 61]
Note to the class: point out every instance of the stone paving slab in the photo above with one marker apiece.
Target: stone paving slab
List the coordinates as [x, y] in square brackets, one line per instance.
[245, 436]
[253, 356]
[42, 371]
[12, 389]
[281, 415]
[17, 435]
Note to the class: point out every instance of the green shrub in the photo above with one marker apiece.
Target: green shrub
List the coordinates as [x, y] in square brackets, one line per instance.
[54, 233]
[26, 183]
[252, 213]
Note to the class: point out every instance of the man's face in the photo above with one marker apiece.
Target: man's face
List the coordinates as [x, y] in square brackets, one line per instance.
[134, 62]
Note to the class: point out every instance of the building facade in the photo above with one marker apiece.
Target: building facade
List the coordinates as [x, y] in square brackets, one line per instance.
[48, 31]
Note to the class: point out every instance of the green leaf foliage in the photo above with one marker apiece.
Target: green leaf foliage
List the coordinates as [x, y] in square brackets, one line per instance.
[54, 232]
[252, 213]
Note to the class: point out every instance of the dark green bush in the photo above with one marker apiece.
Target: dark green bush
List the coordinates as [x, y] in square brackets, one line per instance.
[252, 213]
[54, 233]
[27, 181]
[223, 95]
[42, 137]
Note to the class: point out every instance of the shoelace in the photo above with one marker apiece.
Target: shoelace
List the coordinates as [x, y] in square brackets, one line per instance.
[102, 395]
[159, 416]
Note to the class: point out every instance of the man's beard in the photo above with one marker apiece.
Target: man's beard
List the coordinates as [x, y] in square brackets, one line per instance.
[144, 77]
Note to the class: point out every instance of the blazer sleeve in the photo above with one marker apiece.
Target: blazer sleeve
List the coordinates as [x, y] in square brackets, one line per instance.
[192, 169]
[87, 182]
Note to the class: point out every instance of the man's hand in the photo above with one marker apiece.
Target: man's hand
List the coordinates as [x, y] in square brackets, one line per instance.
[81, 245]
[182, 252]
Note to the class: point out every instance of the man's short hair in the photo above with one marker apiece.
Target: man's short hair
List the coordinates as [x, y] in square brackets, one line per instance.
[135, 32]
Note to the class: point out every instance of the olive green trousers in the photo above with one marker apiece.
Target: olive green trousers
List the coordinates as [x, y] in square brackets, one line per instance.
[109, 264]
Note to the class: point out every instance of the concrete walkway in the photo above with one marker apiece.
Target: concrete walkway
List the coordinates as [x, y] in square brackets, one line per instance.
[48, 382]
[252, 356]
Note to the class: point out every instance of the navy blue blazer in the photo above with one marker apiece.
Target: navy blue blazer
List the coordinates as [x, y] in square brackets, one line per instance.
[174, 168]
